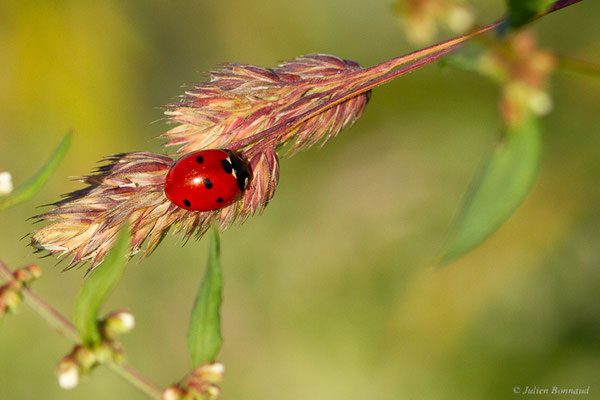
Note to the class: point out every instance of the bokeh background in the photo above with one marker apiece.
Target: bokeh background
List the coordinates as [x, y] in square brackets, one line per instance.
[330, 293]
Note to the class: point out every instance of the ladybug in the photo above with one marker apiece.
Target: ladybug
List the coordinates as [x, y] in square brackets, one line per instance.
[206, 180]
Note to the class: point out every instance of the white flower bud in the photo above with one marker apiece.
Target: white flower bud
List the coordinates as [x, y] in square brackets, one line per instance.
[217, 369]
[118, 322]
[68, 374]
[172, 393]
[212, 373]
[127, 321]
[6, 185]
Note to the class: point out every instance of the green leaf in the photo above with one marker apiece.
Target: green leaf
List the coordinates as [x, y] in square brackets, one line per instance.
[204, 335]
[522, 11]
[464, 62]
[500, 187]
[96, 288]
[29, 189]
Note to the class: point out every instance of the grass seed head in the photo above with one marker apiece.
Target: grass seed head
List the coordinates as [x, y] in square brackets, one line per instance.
[235, 103]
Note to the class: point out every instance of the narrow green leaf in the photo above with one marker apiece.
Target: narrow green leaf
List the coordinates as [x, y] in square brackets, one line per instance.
[96, 288]
[461, 61]
[522, 11]
[501, 186]
[35, 183]
[204, 335]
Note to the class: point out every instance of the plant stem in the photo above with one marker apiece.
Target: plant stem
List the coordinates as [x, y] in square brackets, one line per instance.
[67, 329]
[138, 380]
[579, 66]
[561, 4]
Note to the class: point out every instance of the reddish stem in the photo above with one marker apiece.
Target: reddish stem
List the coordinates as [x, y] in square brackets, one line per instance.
[378, 75]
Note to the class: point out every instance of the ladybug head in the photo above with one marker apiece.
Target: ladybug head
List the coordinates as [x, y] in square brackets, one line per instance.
[240, 170]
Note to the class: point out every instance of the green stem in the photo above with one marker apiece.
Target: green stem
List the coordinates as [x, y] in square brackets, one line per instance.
[579, 66]
[67, 329]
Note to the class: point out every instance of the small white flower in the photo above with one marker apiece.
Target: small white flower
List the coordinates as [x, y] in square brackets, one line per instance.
[212, 372]
[6, 185]
[119, 322]
[68, 374]
[127, 321]
[215, 368]
[172, 393]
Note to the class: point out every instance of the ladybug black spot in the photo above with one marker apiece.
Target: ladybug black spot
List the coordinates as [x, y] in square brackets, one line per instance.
[207, 183]
[199, 159]
[187, 203]
[220, 200]
[227, 166]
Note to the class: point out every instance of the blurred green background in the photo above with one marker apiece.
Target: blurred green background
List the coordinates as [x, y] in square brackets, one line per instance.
[330, 293]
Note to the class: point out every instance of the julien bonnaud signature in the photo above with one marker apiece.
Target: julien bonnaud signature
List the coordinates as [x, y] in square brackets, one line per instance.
[551, 390]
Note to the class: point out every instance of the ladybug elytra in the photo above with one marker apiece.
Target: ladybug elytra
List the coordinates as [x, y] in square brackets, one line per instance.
[206, 180]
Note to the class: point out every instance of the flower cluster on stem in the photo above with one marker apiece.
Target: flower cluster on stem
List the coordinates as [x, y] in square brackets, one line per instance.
[11, 293]
[200, 384]
[82, 359]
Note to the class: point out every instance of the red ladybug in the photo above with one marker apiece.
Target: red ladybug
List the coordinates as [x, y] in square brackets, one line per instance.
[206, 180]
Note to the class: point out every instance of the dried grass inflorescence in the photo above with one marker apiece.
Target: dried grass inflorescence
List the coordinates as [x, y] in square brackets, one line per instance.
[241, 100]
[245, 108]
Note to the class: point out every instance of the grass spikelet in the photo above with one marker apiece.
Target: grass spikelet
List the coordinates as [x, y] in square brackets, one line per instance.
[240, 100]
[129, 187]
